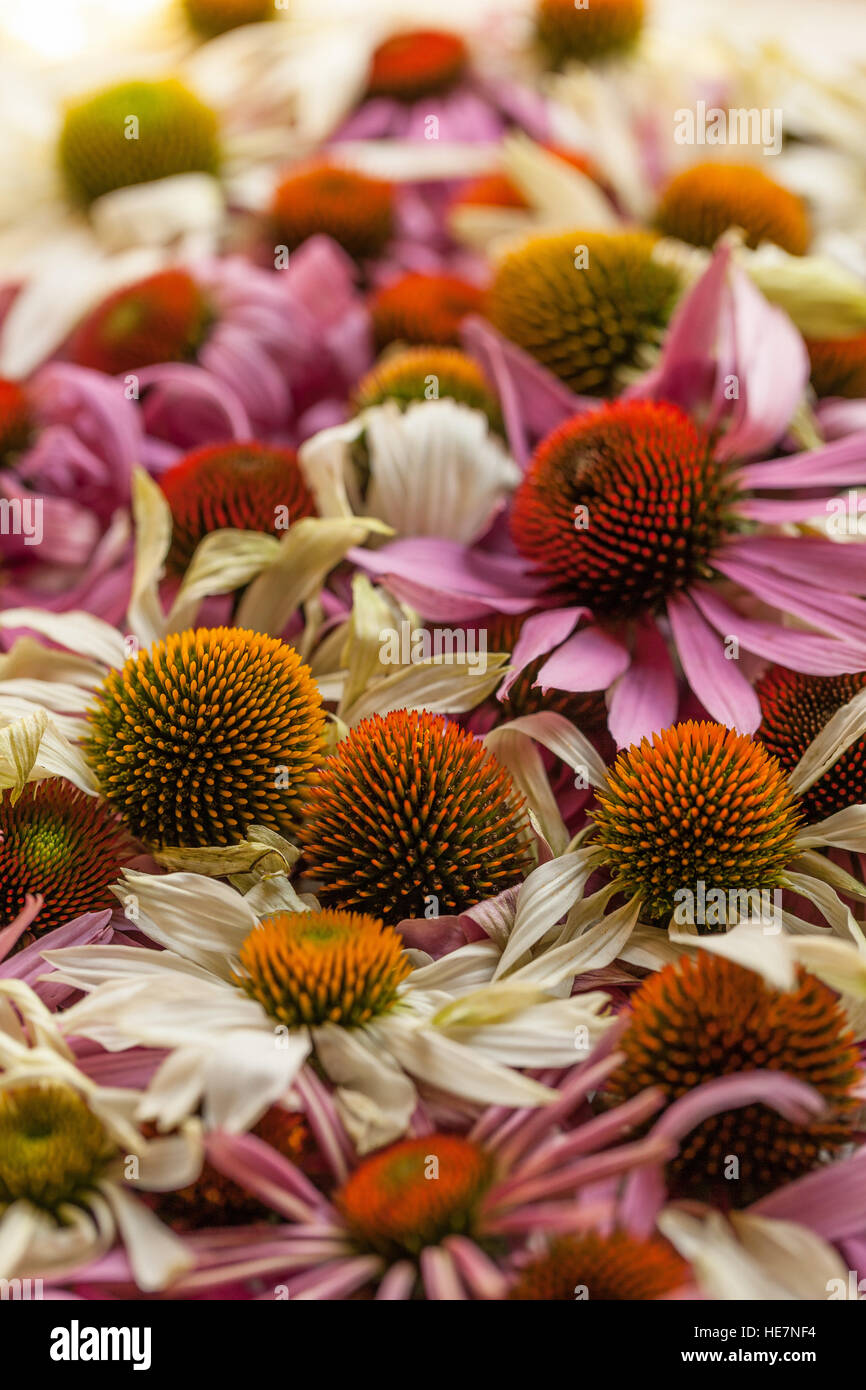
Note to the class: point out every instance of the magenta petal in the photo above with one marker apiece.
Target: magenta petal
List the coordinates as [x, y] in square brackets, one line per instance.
[533, 400]
[718, 683]
[835, 464]
[538, 636]
[831, 1201]
[828, 610]
[448, 582]
[772, 369]
[644, 699]
[590, 660]
[724, 332]
[189, 406]
[829, 564]
[802, 651]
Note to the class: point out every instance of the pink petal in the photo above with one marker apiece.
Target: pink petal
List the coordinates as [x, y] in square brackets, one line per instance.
[538, 636]
[801, 651]
[828, 610]
[834, 464]
[719, 684]
[590, 660]
[449, 582]
[534, 401]
[831, 1201]
[644, 699]
[772, 367]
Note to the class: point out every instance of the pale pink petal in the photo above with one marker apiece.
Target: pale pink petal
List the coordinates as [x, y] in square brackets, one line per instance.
[838, 417]
[772, 371]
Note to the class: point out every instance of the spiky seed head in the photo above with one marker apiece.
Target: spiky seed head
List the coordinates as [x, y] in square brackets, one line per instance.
[410, 808]
[702, 202]
[794, 709]
[206, 733]
[704, 1017]
[423, 309]
[58, 842]
[700, 803]
[136, 132]
[584, 304]
[245, 486]
[354, 209]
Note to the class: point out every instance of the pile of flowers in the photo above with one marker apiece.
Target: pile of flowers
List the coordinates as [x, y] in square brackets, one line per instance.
[433, 665]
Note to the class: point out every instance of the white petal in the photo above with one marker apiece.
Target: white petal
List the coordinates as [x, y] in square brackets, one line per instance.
[435, 469]
[156, 1255]
[374, 1096]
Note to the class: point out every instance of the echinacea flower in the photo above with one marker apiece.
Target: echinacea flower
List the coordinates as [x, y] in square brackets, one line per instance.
[217, 349]
[432, 78]
[703, 201]
[229, 348]
[410, 810]
[321, 983]
[603, 29]
[700, 800]
[704, 1018]
[700, 831]
[204, 734]
[72, 1158]
[408, 374]
[643, 528]
[61, 844]
[247, 486]
[417, 64]
[163, 318]
[449, 1214]
[176, 134]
